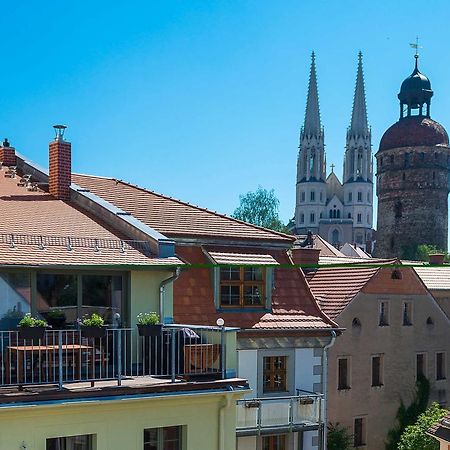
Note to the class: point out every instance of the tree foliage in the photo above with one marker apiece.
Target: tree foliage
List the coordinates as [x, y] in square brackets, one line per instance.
[408, 415]
[415, 438]
[338, 437]
[424, 250]
[260, 208]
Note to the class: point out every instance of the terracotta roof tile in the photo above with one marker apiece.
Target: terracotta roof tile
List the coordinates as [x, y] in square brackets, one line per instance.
[31, 216]
[335, 287]
[173, 217]
[242, 259]
[293, 305]
[434, 278]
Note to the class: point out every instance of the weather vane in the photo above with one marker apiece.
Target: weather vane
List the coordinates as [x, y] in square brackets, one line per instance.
[416, 46]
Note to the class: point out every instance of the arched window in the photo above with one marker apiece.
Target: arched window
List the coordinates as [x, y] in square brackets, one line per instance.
[338, 214]
[349, 215]
[331, 213]
[335, 236]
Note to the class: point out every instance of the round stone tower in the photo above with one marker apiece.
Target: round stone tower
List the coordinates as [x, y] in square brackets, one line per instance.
[412, 176]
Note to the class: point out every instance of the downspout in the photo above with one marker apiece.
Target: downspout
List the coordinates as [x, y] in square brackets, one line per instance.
[162, 291]
[226, 404]
[325, 386]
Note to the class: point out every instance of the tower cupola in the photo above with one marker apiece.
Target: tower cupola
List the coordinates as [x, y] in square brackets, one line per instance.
[415, 93]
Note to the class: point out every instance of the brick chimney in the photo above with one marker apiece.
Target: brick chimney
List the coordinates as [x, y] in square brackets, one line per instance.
[7, 154]
[60, 170]
[436, 259]
[305, 256]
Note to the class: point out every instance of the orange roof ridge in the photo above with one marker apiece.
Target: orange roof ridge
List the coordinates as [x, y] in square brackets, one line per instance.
[182, 202]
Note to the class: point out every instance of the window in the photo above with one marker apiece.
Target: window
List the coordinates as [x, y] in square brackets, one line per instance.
[350, 196]
[392, 159]
[277, 442]
[102, 294]
[312, 218]
[407, 316]
[303, 196]
[407, 159]
[359, 434]
[377, 370]
[343, 374]
[302, 218]
[82, 442]
[274, 374]
[242, 286]
[404, 176]
[15, 294]
[440, 366]
[384, 314]
[349, 215]
[421, 365]
[359, 196]
[312, 196]
[368, 198]
[165, 438]
[368, 219]
[321, 195]
[359, 218]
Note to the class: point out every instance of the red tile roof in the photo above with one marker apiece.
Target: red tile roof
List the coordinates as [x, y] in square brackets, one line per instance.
[172, 217]
[242, 259]
[293, 305]
[35, 231]
[335, 287]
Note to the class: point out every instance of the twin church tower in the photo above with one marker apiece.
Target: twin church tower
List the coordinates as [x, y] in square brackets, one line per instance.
[339, 212]
[413, 174]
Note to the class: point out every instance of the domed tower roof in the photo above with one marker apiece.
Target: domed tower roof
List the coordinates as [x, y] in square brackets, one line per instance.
[416, 90]
[414, 131]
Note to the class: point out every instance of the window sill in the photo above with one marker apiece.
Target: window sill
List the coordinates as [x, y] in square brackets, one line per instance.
[344, 389]
[377, 386]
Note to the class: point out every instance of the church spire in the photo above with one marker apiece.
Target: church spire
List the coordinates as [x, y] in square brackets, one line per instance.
[312, 124]
[359, 126]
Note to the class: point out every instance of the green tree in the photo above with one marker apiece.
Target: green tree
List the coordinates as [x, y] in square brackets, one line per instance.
[408, 415]
[338, 437]
[424, 250]
[415, 438]
[260, 208]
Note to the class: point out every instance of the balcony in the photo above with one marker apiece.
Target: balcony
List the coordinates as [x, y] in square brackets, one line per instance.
[67, 357]
[278, 414]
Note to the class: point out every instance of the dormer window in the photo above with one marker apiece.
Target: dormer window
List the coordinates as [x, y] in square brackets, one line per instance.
[242, 286]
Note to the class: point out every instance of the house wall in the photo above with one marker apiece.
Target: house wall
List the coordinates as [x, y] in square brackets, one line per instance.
[397, 343]
[144, 294]
[443, 299]
[119, 425]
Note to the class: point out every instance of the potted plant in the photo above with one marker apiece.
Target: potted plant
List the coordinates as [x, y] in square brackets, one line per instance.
[31, 328]
[149, 324]
[56, 318]
[93, 326]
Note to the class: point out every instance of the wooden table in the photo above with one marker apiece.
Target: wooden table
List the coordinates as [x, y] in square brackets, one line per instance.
[49, 353]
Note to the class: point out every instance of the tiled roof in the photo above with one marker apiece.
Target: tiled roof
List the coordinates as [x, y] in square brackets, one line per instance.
[335, 287]
[172, 217]
[242, 259]
[36, 229]
[293, 305]
[434, 278]
[335, 260]
[441, 429]
[326, 249]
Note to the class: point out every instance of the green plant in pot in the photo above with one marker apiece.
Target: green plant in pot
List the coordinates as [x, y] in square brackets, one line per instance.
[56, 318]
[32, 328]
[93, 326]
[149, 324]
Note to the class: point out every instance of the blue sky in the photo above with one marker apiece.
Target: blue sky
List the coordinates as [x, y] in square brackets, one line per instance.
[203, 100]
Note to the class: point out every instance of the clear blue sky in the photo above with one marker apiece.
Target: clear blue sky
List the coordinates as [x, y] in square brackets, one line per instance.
[203, 100]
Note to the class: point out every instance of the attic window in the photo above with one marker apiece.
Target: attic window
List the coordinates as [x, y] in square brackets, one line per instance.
[430, 321]
[396, 274]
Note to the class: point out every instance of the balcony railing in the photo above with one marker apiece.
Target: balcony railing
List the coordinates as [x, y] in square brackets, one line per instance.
[258, 415]
[67, 356]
